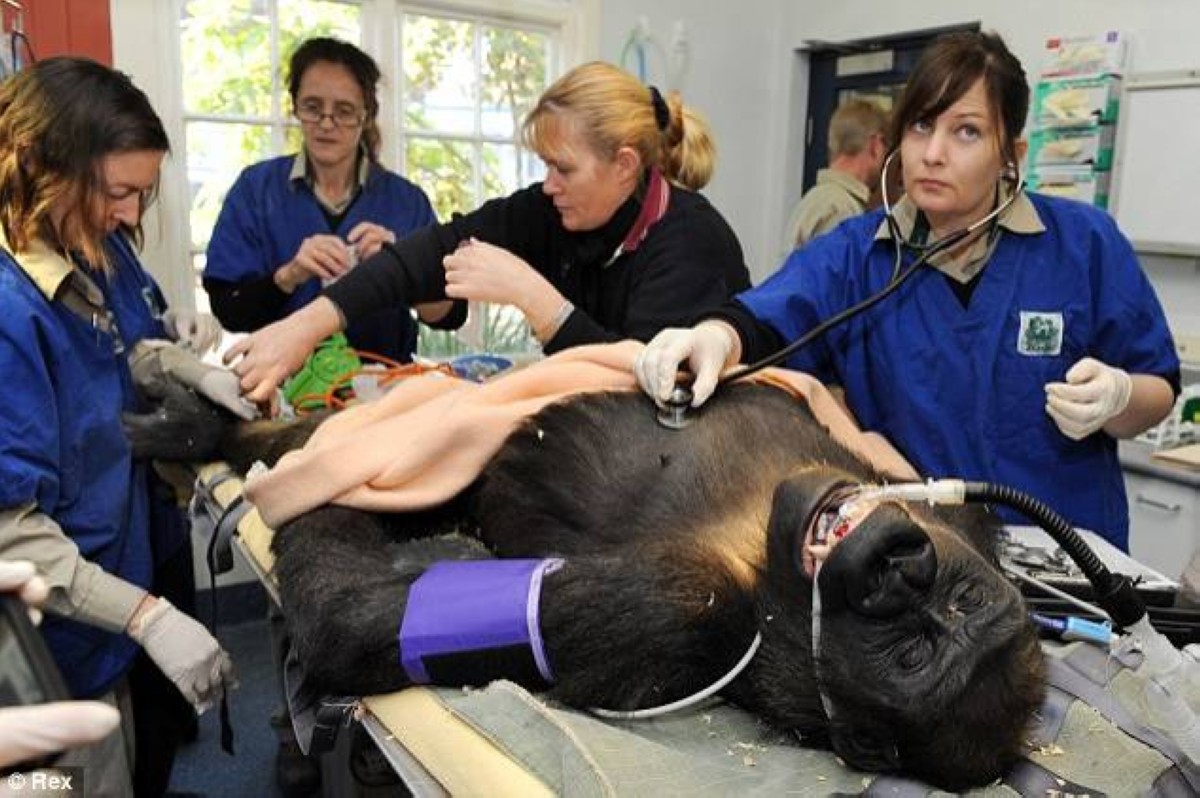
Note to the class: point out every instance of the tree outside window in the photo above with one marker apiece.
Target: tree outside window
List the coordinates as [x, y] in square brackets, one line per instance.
[468, 83]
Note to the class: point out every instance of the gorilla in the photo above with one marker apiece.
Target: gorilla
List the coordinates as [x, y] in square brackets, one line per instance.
[913, 653]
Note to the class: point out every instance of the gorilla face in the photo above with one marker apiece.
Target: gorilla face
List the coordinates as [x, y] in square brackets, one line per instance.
[920, 637]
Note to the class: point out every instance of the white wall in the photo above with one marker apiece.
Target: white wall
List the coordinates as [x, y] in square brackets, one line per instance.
[143, 47]
[737, 59]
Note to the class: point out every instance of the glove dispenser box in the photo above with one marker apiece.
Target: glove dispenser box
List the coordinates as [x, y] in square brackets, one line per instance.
[1090, 146]
[1072, 182]
[1077, 102]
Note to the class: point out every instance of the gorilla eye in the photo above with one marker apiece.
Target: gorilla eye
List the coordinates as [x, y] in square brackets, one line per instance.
[968, 597]
[913, 653]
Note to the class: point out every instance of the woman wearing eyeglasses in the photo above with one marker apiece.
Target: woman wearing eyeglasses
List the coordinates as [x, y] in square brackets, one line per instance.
[292, 224]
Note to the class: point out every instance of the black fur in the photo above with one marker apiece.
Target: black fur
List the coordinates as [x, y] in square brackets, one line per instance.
[679, 546]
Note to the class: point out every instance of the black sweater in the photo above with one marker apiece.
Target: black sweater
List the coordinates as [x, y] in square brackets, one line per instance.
[689, 264]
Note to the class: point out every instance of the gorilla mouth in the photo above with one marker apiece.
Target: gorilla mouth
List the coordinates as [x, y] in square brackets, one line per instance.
[837, 514]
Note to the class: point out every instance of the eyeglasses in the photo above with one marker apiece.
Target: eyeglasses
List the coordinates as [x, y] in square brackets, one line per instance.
[314, 113]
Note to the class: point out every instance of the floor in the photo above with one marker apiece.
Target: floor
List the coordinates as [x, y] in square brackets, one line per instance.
[202, 767]
[354, 770]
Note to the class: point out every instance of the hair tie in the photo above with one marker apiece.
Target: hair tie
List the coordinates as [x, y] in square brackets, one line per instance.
[662, 114]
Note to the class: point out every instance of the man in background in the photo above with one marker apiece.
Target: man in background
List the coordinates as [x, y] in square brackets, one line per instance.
[857, 148]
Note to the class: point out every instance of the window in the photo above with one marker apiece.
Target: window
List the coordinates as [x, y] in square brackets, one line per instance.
[467, 84]
[456, 86]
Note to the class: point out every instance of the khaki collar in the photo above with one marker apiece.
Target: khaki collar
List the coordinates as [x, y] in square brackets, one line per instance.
[300, 172]
[47, 268]
[62, 281]
[1020, 218]
[853, 186]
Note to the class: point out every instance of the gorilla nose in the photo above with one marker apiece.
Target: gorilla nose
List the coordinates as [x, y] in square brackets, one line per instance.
[882, 568]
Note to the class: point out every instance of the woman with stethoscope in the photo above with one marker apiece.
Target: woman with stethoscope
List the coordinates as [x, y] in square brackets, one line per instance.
[1030, 346]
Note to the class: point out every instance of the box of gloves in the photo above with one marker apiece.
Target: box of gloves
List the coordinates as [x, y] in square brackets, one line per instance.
[1091, 145]
[1076, 102]
[1072, 182]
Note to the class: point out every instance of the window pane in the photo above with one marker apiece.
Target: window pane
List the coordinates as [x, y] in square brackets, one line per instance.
[513, 75]
[307, 19]
[506, 168]
[216, 154]
[500, 329]
[439, 74]
[445, 170]
[225, 47]
[293, 138]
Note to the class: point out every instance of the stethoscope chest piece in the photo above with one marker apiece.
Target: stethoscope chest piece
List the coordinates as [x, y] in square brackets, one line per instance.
[673, 414]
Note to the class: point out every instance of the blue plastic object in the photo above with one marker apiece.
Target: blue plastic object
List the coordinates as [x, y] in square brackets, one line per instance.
[478, 368]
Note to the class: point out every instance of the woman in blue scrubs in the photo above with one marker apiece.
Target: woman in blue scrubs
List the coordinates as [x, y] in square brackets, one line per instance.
[1019, 358]
[292, 224]
[80, 152]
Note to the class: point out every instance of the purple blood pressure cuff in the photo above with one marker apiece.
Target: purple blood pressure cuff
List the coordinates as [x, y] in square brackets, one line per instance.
[474, 621]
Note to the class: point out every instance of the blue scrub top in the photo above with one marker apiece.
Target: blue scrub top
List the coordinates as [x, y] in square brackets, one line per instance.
[267, 216]
[63, 448]
[961, 390]
[138, 304]
[132, 293]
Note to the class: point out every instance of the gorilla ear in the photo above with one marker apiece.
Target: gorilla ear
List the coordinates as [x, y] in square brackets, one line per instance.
[865, 746]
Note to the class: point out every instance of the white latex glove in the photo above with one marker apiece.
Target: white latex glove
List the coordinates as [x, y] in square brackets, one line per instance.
[221, 386]
[705, 349]
[195, 332]
[1092, 394]
[185, 652]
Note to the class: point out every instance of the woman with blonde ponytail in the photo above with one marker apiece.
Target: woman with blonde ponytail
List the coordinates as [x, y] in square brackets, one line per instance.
[614, 243]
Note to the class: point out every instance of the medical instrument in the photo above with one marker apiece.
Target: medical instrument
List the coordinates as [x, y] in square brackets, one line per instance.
[673, 414]
[330, 364]
[687, 701]
[924, 253]
[1072, 628]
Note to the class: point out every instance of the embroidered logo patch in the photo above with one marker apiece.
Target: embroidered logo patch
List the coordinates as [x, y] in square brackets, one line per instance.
[1041, 334]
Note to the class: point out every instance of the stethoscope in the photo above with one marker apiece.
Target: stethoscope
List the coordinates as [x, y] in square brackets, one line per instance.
[673, 413]
[925, 252]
